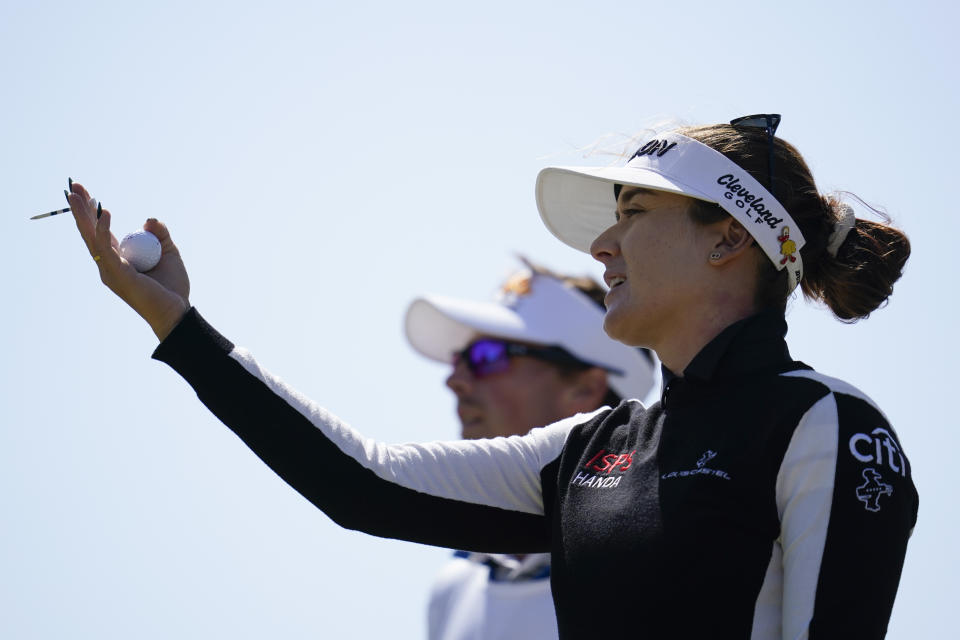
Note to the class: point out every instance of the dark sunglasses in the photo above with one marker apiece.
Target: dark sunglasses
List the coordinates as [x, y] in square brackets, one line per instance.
[488, 356]
[769, 123]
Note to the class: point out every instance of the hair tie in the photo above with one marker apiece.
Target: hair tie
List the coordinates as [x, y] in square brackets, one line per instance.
[847, 221]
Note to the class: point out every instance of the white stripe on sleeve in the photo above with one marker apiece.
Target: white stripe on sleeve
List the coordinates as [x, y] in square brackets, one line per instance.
[499, 472]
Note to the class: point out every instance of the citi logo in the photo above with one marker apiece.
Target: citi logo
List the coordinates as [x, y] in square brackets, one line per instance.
[878, 447]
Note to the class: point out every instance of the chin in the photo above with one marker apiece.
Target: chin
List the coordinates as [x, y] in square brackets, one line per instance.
[617, 324]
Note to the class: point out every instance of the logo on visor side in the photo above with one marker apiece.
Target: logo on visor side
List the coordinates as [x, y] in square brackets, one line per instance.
[754, 207]
[654, 148]
[870, 491]
[787, 246]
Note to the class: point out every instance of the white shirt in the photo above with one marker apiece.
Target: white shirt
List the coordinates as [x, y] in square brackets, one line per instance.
[467, 604]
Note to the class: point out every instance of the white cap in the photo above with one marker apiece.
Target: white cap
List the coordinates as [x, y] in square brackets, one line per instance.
[531, 308]
[577, 203]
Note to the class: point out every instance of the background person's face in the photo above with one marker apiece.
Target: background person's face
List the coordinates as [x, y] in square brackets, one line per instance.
[529, 393]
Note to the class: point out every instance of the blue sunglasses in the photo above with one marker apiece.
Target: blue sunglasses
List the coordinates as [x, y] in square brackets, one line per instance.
[488, 356]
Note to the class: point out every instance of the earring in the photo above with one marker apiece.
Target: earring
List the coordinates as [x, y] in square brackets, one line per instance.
[715, 255]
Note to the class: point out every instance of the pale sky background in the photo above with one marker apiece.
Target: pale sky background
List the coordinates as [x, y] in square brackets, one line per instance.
[321, 164]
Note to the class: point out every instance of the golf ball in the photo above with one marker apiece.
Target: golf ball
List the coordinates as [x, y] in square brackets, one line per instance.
[141, 249]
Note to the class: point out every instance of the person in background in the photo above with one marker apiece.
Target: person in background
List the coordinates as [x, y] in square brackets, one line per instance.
[533, 356]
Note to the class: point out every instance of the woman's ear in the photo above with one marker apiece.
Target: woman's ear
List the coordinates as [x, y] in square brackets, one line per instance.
[732, 240]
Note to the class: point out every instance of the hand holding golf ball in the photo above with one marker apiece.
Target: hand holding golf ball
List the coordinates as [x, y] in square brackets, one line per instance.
[145, 269]
[141, 249]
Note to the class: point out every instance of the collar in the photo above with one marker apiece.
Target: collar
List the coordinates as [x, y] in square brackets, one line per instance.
[749, 345]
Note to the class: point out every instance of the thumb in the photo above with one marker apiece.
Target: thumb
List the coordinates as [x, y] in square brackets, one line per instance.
[160, 230]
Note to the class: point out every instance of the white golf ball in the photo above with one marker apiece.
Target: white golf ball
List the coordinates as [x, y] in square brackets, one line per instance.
[141, 249]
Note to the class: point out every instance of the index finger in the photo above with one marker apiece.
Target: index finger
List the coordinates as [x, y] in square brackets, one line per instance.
[83, 208]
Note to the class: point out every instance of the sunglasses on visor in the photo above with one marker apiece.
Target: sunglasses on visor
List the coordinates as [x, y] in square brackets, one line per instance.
[769, 123]
[488, 356]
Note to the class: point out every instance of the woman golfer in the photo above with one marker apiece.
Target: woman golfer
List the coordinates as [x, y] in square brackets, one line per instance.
[757, 499]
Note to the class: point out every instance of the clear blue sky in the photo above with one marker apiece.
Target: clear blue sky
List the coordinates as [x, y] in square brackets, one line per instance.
[320, 164]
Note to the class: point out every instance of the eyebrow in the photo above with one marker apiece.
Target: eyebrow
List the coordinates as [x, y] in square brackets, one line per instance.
[629, 192]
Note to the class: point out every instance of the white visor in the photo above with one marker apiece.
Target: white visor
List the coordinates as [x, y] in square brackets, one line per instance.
[577, 203]
[536, 309]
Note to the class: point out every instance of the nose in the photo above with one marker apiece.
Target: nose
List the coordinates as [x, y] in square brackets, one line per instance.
[606, 245]
[460, 379]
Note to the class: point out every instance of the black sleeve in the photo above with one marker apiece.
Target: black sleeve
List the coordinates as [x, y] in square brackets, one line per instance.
[473, 495]
[848, 506]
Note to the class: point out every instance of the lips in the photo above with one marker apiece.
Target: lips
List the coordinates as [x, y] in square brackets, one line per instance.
[614, 279]
[614, 282]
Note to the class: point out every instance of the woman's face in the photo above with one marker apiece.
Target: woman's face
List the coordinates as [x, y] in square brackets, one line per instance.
[657, 262]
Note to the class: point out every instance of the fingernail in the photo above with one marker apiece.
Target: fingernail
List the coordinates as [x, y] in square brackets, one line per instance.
[65, 195]
[70, 184]
[99, 210]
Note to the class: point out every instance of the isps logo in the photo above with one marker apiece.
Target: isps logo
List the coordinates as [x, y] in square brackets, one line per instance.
[878, 447]
[606, 462]
[604, 470]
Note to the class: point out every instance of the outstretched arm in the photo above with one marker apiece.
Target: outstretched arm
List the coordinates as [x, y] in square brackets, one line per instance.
[471, 495]
[477, 495]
